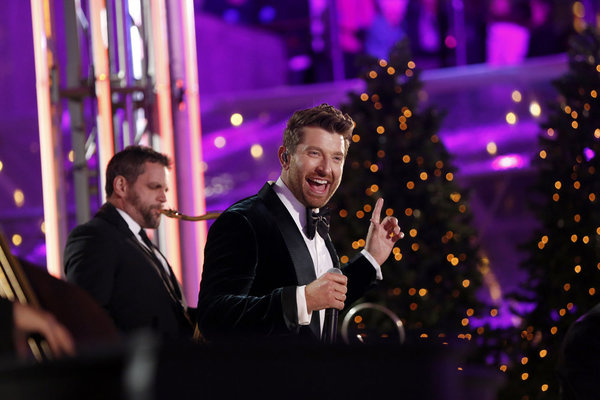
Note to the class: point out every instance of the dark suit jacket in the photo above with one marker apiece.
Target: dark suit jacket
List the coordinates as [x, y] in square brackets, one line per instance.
[6, 327]
[255, 257]
[579, 364]
[104, 257]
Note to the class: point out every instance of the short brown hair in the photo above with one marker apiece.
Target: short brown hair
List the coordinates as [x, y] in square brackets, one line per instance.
[324, 116]
[129, 163]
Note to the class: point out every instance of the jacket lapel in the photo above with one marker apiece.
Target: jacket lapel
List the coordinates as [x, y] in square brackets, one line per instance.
[303, 264]
[109, 213]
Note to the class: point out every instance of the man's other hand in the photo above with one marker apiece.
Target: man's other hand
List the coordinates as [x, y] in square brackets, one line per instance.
[329, 291]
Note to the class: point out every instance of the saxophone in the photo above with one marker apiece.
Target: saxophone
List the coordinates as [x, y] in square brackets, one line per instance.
[177, 215]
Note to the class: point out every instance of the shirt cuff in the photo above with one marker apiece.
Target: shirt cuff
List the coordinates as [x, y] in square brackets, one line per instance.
[376, 265]
[303, 316]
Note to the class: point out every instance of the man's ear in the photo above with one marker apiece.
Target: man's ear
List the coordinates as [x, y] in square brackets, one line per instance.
[120, 186]
[284, 157]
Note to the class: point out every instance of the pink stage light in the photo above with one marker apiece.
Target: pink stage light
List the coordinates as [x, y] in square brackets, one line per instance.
[508, 161]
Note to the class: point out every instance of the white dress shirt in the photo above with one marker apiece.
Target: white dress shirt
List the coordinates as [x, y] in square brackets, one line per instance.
[316, 246]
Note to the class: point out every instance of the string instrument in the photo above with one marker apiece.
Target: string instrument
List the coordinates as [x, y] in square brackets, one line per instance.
[14, 286]
[28, 284]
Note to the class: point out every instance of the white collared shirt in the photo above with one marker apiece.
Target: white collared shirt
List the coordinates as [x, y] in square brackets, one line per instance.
[316, 246]
[135, 228]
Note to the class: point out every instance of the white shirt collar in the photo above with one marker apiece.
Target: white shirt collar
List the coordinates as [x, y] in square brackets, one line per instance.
[133, 226]
[296, 209]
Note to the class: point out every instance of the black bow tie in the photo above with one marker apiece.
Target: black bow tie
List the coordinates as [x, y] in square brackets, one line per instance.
[317, 222]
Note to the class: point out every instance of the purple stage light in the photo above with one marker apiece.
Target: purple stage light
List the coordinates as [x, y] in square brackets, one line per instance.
[300, 62]
[267, 14]
[232, 16]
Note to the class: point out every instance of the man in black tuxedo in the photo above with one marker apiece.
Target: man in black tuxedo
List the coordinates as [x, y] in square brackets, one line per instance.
[112, 257]
[265, 269]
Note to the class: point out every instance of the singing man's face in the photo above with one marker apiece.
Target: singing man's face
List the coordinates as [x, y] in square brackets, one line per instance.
[315, 169]
[145, 198]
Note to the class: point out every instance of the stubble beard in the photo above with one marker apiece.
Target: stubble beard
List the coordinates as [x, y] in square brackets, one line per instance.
[150, 221]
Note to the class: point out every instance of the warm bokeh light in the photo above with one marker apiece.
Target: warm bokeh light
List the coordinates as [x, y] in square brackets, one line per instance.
[220, 142]
[516, 96]
[17, 239]
[19, 197]
[256, 150]
[535, 109]
[236, 119]
[491, 148]
[511, 118]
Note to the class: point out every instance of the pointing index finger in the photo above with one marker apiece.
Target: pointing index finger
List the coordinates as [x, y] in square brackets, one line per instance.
[376, 216]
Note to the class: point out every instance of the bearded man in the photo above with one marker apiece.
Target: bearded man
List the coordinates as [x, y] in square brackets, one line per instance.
[112, 258]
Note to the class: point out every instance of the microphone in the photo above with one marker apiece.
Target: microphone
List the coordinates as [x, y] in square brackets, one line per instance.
[331, 319]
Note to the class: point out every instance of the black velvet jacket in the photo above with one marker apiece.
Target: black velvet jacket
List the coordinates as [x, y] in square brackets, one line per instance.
[255, 257]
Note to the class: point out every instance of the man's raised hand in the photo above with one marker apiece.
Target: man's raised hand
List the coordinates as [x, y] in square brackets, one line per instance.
[382, 235]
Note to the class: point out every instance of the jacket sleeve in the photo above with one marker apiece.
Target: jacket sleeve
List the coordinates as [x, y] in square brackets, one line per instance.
[6, 327]
[225, 304]
[361, 277]
[91, 261]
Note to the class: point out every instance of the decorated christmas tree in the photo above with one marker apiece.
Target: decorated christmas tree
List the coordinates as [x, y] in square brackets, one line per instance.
[563, 263]
[431, 279]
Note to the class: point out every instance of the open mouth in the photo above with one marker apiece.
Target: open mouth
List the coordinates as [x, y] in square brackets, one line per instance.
[318, 185]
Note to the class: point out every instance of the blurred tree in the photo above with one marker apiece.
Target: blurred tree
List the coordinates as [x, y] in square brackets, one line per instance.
[431, 279]
[563, 262]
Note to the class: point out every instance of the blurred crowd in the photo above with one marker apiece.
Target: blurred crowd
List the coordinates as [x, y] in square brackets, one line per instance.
[441, 33]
